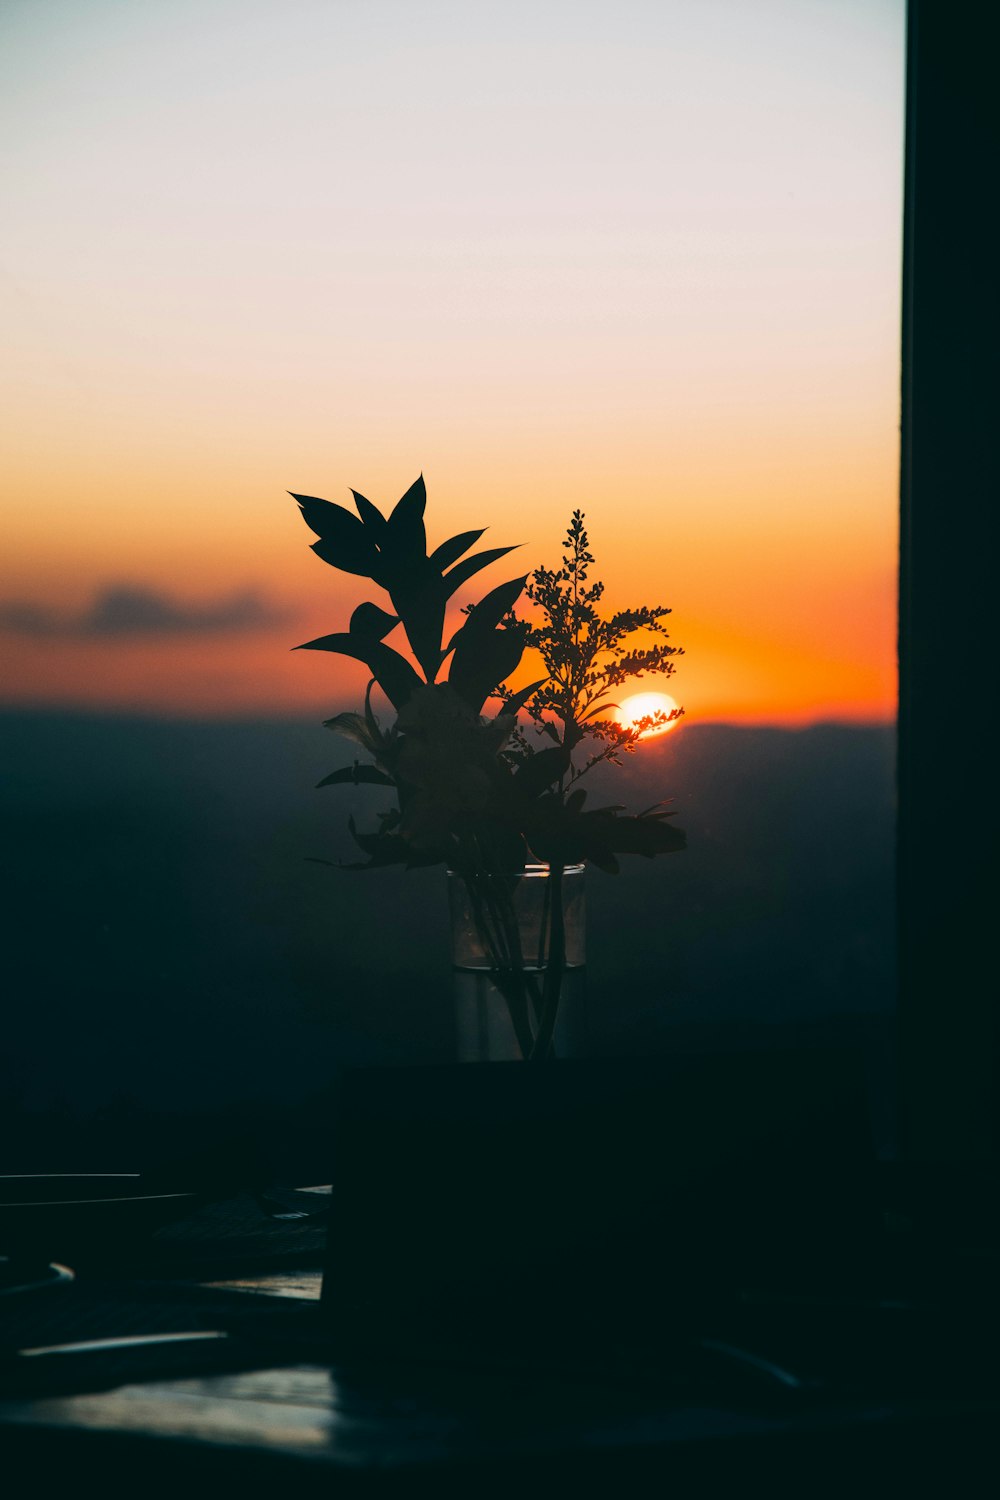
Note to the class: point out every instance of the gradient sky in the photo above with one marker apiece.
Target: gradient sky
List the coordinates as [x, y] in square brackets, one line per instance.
[640, 258]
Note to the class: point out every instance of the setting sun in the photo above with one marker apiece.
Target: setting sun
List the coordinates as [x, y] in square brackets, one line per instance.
[643, 706]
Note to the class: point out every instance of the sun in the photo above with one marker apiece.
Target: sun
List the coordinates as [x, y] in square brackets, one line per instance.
[641, 706]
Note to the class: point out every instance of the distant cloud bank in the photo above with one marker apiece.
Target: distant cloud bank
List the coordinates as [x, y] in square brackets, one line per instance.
[125, 609]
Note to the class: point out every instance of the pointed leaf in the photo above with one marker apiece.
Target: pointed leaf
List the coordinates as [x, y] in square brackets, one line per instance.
[370, 514]
[474, 650]
[661, 809]
[492, 607]
[540, 772]
[645, 836]
[561, 832]
[351, 726]
[413, 503]
[357, 775]
[406, 533]
[339, 641]
[382, 849]
[485, 656]
[318, 514]
[515, 704]
[442, 557]
[418, 599]
[371, 622]
[392, 672]
[478, 670]
[390, 849]
[607, 834]
[349, 559]
[343, 542]
[374, 729]
[464, 570]
[596, 709]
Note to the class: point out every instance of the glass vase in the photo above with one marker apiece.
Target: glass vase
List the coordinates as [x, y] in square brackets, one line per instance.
[518, 951]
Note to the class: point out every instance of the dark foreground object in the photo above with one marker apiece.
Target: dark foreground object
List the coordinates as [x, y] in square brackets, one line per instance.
[574, 1279]
[547, 1203]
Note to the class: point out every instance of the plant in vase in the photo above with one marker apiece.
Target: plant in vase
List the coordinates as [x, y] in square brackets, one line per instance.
[484, 794]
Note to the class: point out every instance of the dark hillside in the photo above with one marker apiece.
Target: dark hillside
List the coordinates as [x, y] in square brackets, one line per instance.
[170, 948]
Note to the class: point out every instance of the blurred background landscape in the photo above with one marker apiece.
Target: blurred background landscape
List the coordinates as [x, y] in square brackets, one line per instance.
[175, 954]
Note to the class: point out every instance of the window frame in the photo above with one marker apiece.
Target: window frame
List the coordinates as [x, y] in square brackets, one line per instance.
[949, 1019]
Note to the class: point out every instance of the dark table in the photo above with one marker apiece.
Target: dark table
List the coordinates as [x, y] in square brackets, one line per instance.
[385, 1427]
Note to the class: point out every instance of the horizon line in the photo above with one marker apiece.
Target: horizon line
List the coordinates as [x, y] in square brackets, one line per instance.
[37, 708]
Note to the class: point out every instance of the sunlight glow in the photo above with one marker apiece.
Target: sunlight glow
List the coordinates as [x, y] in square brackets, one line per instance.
[643, 706]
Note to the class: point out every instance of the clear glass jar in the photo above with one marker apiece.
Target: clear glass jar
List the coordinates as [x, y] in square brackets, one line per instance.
[531, 899]
[505, 982]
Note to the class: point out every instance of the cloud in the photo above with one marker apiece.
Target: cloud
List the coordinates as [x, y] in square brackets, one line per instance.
[126, 609]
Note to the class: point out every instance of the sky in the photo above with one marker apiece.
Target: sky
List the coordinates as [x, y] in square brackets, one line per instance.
[641, 259]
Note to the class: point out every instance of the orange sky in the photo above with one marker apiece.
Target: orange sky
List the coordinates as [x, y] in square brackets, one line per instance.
[646, 263]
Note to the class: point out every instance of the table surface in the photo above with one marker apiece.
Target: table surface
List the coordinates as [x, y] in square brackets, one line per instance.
[397, 1420]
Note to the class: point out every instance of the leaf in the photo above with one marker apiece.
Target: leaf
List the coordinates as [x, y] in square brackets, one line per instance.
[515, 704]
[560, 832]
[373, 725]
[357, 775]
[442, 557]
[392, 672]
[661, 809]
[349, 559]
[370, 514]
[464, 570]
[390, 849]
[343, 541]
[540, 772]
[351, 726]
[598, 708]
[490, 610]
[485, 656]
[319, 515]
[645, 836]
[383, 848]
[477, 670]
[604, 835]
[405, 531]
[371, 622]
[340, 641]
[418, 598]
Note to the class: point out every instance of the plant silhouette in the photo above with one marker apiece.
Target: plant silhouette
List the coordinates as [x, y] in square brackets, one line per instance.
[471, 790]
